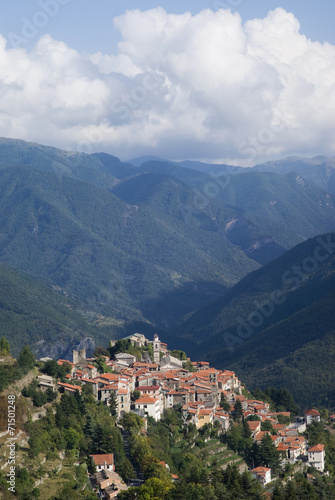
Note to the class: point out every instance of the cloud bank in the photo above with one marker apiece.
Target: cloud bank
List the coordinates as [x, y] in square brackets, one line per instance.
[179, 86]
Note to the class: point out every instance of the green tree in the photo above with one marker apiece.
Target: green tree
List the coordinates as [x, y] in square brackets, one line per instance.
[4, 347]
[87, 392]
[67, 413]
[53, 369]
[126, 470]
[290, 491]
[187, 365]
[130, 494]
[224, 403]
[72, 438]
[113, 404]
[136, 395]
[235, 438]
[154, 489]
[100, 351]
[253, 418]
[278, 493]
[176, 353]
[267, 426]
[246, 430]
[101, 364]
[132, 422]
[102, 442]
[26, 359]
[269, 454]
[238, 411]
[139, 448]
[152, 467]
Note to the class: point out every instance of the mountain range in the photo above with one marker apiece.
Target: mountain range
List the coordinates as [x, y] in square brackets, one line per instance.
[144, 244]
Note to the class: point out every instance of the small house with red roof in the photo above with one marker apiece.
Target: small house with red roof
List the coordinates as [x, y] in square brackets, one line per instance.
[312, 416]
[148, 406]
[316, 456]
[104, 461]
[64, 387]
[254, 426]
[262, 474]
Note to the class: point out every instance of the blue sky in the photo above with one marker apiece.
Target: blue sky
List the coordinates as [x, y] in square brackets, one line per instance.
[88, 25]
[221, 87]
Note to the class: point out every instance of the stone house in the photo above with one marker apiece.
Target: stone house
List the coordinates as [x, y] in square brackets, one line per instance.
[46, 382]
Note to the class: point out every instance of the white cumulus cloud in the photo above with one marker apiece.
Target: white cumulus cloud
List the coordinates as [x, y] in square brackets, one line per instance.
[180, 86]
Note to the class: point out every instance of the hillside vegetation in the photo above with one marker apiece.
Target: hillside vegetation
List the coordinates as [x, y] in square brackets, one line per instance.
[276, 326]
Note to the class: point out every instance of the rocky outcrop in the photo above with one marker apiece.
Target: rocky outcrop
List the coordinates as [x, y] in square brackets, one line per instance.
[62, 349]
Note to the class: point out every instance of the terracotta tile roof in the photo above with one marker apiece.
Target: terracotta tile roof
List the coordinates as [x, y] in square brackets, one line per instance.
[148, 388]
[294, 439]
[259, 436]
[282, 447]
[69, 386]
[260, 469]
[62, 361]
[240, 398]
[146, 400]
[107, 458]
[254, 424]
[317, 448]
[90, 380]
[266, 418]
[109, 387]
[294, 447]
[178, 393]
[109, 376]
[312, 412]
[259, 406]
[205, 412]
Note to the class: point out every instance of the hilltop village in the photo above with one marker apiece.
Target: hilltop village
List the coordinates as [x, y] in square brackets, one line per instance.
[204, 394]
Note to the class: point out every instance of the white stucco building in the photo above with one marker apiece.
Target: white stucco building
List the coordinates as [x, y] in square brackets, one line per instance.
[149, 406]
[316, 456]
[312, 416]
[262, 474]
